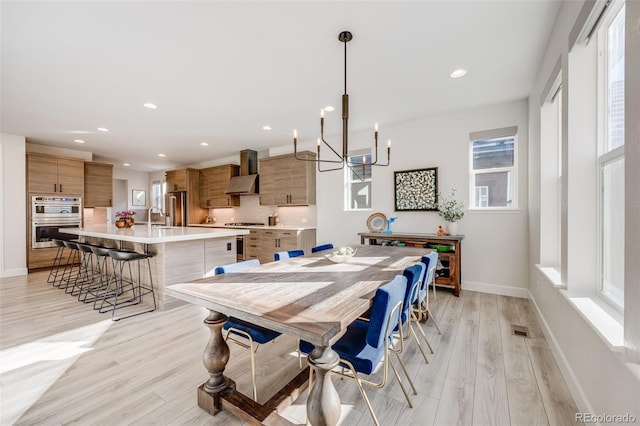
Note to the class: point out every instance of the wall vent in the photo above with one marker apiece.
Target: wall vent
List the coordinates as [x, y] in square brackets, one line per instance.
[519, 330]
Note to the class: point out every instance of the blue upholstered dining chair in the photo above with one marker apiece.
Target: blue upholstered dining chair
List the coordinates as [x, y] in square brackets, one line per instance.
[366, 344]
[321, 248]
[235, 327]
[281, 255]
[414, 275]
[431, 260]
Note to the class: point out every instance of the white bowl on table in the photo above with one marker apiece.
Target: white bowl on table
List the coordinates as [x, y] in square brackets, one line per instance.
[341, 255]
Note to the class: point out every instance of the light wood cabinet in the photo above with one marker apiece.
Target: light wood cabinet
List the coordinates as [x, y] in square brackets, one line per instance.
[98, 185]
[188, 180]
[285, 181]
[176, 180]
[263, 244]
[218, 251]
[213, 183]
[448, 271]
[53, 175]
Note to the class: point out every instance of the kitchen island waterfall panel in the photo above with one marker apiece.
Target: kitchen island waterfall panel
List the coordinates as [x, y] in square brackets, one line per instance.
[178, 254]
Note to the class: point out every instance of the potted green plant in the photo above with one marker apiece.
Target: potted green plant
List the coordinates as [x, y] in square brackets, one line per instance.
[451, 210]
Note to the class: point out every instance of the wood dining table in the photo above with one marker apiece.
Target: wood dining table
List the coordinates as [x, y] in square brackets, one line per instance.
[308, 297]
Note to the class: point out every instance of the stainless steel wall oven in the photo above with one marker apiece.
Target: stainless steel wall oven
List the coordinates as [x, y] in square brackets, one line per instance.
[49, 214]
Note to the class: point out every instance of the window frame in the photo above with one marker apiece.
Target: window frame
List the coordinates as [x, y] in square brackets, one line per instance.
[605, 155]
[513, 179]
[348, 181]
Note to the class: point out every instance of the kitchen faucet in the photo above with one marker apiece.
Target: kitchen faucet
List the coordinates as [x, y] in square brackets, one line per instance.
[149, 217]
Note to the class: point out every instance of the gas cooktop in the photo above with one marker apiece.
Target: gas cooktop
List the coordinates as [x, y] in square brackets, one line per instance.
[243, 224]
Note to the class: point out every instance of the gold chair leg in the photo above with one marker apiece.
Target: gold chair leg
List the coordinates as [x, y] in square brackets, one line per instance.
[404, 391]
[434, 321]
[364, 394]
[406, 373]
[415, 337]
[424, 336]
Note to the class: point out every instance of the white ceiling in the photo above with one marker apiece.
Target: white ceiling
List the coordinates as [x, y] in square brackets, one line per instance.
[219, 71]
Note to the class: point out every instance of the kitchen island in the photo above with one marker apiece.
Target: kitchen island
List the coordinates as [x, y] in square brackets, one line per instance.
[178, 254]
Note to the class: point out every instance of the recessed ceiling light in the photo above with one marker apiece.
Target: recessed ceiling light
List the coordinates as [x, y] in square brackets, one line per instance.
[162, 155]
[78, 141]
[103, 129]
[458, 73]
[266, 127]
[204, 144]
[329, 108]
[126, 164]
[150, 105]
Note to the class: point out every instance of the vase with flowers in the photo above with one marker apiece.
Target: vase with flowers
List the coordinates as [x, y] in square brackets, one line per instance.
[125, 219]
[451, 210]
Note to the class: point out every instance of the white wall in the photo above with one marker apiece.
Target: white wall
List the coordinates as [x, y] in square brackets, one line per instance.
[602, 380]
[13, 217]
[135, 180]
[494, 251]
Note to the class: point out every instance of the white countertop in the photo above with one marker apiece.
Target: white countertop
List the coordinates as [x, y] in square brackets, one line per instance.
[222, 226]
[162, 234]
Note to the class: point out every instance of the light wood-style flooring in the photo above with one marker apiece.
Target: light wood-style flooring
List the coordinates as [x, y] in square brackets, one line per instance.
[63, 363]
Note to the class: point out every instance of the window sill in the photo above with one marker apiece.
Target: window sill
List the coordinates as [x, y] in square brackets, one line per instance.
[552, 275]
[605, 321]
[501, 210]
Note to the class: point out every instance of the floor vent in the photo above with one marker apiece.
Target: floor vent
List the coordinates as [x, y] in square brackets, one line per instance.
[520, 330]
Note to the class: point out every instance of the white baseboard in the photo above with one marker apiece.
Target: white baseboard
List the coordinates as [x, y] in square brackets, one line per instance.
[569, 376]
[13, 272]
[502, 290]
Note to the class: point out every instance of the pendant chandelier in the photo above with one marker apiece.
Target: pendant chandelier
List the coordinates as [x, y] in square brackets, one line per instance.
[342, 159]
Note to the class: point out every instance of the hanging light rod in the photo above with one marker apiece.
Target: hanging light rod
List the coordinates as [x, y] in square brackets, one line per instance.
[343, 158]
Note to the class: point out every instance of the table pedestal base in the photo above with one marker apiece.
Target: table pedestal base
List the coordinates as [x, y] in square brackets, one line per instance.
[250, 411]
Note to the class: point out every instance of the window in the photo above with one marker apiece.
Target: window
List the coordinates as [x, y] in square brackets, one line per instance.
[611, 81]
[358, 181]
[493, 170]
[551, 174]
[158, 191]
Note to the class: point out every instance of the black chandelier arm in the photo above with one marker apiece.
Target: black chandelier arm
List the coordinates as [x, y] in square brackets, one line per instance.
[331, 169]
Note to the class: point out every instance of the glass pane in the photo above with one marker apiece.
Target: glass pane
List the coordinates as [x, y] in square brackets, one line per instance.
[615, 83]
[613, 229]
[493, 153]
[356, 172]
[360, 195]
[493, 189]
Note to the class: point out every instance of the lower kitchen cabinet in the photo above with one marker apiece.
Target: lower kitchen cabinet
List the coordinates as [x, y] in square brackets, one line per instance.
[263, 244]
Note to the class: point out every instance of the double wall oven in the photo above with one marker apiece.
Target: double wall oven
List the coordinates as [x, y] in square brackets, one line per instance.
[51, 213]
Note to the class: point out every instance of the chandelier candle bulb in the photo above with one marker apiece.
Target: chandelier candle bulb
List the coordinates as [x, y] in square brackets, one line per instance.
[322, 113]
[375, 127]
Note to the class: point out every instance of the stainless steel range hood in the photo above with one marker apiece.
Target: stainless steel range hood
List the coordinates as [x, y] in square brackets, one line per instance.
[247, 182]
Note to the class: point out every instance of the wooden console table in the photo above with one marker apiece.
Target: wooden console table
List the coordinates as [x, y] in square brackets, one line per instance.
[450, 274]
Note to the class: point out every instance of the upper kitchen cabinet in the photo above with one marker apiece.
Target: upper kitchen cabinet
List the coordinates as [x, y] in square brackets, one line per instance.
[214, 182]
[53, 175]
[176, 180]
[285, 181]
[98, 184]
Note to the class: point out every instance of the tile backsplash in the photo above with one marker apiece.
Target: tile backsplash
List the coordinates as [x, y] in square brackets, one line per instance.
[250, 210]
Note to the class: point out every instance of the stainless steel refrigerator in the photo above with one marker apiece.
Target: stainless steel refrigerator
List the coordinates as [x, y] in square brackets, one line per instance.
[177, 208]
